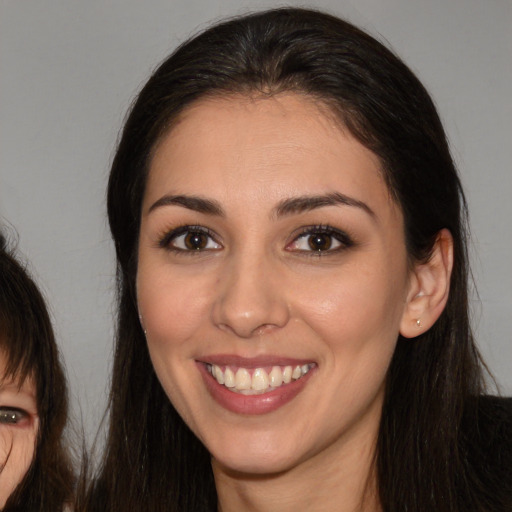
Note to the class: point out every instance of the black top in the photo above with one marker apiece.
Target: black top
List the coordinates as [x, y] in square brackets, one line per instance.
[487, 441]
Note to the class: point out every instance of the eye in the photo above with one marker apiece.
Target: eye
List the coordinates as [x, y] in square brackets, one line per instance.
[12, 416]
[189, 238]
[320, 239]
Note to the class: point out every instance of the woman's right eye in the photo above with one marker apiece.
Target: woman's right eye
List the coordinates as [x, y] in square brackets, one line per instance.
[12, 415]
[190, 239]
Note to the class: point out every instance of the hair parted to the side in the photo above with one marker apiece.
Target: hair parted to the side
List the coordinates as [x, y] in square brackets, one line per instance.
[28, 342]
[152, 461]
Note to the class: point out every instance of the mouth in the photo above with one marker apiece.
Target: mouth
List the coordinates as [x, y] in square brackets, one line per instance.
[254, 386]
[257, 381]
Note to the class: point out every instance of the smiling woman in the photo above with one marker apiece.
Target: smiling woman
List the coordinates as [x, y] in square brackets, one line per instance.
[293, 325]
[35, 470]
[252, 292]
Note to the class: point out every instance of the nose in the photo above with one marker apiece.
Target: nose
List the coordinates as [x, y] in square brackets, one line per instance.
[251, 298]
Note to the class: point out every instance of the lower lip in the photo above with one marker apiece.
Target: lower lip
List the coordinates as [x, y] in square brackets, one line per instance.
[252, 404]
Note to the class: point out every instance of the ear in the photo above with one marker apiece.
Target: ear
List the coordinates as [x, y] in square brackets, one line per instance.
[428, 288]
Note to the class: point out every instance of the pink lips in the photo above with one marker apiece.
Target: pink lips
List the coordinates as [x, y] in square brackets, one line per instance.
[252, 404]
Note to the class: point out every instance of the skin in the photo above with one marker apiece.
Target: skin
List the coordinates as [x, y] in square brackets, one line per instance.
[257, 288]
[19, 424]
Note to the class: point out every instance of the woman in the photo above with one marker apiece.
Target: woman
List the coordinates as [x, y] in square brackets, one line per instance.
[35, 466]
[293, 325]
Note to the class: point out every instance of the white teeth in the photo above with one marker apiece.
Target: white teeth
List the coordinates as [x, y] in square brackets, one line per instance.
[287, 375]
[217, 372]
[297, 372]
[229, 378]
[260, 381]
[275, 377]
[242, 379]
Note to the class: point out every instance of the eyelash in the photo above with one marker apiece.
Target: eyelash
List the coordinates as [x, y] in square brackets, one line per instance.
[341, 237]
[165, 241]
[12, 415]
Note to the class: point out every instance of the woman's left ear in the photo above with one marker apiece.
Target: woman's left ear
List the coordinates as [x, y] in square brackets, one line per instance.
[429, 288]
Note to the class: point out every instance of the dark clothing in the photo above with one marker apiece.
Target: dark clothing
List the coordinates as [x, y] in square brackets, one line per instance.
[487, 442]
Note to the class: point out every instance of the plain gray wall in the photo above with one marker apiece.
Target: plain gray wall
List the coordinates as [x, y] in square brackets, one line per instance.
[69, 69]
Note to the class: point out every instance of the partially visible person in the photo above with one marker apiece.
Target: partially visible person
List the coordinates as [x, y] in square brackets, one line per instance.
[35, 469]
[19, 425]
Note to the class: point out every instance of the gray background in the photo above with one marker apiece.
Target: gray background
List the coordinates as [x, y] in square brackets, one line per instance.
[69, 70]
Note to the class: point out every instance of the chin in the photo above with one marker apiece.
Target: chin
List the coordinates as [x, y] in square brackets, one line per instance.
[256, 458]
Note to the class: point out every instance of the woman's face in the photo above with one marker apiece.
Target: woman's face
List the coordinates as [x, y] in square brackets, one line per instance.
[272, 280]
[18, 430]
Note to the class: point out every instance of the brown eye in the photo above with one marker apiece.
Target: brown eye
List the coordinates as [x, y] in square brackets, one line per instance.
[317, 240]
[320, 241]
[195, 241]
[189, 239]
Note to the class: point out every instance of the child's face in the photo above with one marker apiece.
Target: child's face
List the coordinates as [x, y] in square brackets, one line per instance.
[19, 424]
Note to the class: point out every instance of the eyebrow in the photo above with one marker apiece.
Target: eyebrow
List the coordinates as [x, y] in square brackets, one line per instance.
[286, 207]
[303, 204]
[195, 203]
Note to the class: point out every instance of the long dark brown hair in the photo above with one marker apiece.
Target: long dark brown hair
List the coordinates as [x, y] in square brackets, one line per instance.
[152, 461]
[28, 342]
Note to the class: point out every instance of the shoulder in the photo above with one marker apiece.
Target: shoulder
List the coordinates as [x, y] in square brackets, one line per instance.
[487, 444]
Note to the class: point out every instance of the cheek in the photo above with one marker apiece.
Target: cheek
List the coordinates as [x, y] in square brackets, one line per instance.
[355, 308]
[16, 453]
[174, 315]
[170, 305]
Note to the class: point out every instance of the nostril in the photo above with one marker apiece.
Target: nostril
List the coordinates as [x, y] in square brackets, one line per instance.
[264, 329]
[247, 331]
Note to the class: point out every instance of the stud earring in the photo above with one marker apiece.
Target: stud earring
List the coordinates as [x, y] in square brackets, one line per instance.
[142, 324]
[418, 322]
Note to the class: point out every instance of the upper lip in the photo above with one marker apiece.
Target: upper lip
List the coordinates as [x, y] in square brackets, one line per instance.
[252, 362]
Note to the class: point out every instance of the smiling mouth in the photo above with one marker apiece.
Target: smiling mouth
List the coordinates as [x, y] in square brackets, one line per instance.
[257, 381]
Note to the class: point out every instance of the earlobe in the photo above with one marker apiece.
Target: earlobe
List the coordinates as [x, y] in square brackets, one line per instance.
[429, 288]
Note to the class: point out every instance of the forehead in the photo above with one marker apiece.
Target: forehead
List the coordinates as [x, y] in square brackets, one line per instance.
[278, 146]
[12, 384]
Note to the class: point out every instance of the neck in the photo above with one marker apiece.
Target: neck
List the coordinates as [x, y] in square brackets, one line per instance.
[342, 478]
